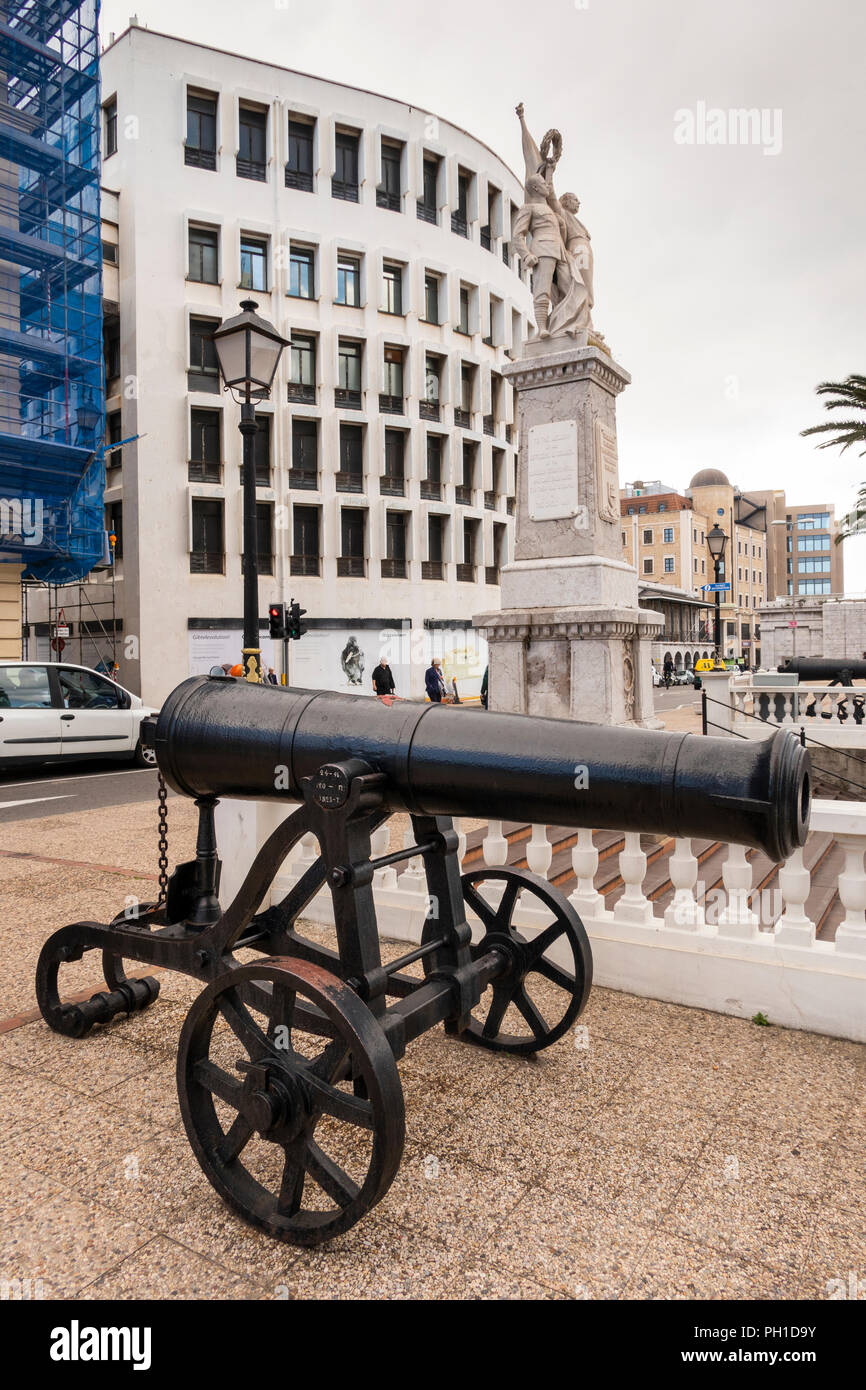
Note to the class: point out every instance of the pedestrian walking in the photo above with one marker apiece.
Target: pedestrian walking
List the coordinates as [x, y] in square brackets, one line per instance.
[484, 687]
[272, 676]
[383, 680]
[434, 681]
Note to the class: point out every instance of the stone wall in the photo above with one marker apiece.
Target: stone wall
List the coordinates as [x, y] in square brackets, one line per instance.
[825, 627]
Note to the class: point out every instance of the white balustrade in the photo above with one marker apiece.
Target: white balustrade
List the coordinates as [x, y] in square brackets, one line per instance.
[794, 927]
[539, 851]
[633, 906]
[851, 934]
[494, 846]
[685, 912]
[736, 917]
[586, 898]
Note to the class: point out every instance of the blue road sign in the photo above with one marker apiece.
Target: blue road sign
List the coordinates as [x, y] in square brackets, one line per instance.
[716, 588]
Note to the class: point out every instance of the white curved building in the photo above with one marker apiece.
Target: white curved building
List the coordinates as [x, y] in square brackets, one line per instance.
[375, 236]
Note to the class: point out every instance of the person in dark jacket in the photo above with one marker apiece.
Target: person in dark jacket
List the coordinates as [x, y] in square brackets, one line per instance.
[383, 680]
[484, 686]
[434, 681]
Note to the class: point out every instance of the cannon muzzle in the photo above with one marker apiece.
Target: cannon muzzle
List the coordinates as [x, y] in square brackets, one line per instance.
[226, 738]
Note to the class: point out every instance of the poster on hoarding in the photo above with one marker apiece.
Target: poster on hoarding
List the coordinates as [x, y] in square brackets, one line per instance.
[214, 646]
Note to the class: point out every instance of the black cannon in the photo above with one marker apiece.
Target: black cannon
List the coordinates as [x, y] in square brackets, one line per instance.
[836, 670]
[286, 1072]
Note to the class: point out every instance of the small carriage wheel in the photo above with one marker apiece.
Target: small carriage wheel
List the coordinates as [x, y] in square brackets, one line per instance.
[280, 1011]
[527, 956]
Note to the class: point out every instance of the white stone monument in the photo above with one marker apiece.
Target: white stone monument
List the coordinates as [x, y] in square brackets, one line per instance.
[570, 639]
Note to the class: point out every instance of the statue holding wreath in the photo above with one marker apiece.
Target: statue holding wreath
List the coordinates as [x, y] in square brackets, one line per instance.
[558, 251]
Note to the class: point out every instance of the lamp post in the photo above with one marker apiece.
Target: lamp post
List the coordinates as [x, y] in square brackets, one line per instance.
[716, 541]
[248, 351]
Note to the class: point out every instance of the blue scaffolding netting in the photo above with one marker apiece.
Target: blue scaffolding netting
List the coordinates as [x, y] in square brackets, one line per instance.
[52, 394]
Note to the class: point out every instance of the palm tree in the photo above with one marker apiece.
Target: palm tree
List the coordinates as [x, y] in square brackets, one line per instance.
[848, 395]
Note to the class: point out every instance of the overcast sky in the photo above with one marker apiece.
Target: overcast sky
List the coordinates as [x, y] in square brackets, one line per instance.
[728, 282]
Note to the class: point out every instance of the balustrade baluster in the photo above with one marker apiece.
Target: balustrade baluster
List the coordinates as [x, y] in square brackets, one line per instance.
[539, 851]
[793, 927]
[586, 899]
[736, 917]
[494, 846]
[684, 912]
[633, 906]
[851, 934]
[380, 843]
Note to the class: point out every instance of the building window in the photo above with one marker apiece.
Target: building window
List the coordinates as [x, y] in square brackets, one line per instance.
[393, 483]
[110, 251]
[806, 543]
[252, 141]
[204, 255]
[813, 521]
[463, 491]
[261, 451]
[641, 511]
[304, 471]
[302, 368]
[200, 150]
[668, 535]
[302, 272]
[350, 476]
[389, 192]
[431, 299]
[663, 506]
[647, 537]
[433, 567]
[428, 408]
[208, 548]
[463, 321]
[428, 207]
[113, 435]
[254, 264]
[431, 486]
[460, 217]
[648, 565]
[344, 184]
[111, 348]
[203, 374]
[466, 569]
[205, 454]
[394, 565]
[349, 281]
[391, 398]
[348, 390]
[351, 564]
[392, 276]
[299, 169]
[306, 550]
[109, 126]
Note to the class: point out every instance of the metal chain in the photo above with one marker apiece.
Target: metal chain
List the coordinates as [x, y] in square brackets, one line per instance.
[163, 840]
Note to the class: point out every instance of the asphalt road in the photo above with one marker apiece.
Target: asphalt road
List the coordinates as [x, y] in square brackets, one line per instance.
[676, 696]
[53, 790]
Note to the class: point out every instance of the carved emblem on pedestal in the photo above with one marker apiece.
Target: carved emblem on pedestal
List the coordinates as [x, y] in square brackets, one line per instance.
[606, 472]
[628, 681]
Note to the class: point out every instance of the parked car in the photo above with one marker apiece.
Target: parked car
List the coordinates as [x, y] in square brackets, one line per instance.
[53, 711]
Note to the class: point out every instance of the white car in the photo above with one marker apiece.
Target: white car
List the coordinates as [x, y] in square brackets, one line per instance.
[53, 710]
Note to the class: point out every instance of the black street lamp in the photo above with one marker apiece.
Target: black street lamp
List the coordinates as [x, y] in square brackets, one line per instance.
[716, 541]
[248, 350]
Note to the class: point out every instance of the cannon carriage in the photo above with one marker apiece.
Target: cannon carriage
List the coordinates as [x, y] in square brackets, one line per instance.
[287, 1061]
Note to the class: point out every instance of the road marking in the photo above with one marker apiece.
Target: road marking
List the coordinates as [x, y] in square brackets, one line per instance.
[32, 800]
[88, 777]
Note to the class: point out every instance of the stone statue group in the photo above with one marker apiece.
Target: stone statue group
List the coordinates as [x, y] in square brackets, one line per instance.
[558, 252]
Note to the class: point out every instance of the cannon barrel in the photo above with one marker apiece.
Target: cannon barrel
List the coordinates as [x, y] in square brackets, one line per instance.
[825, 668]
[227, 738]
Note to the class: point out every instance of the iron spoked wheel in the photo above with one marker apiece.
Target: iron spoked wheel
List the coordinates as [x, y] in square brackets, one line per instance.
[291, 1098]
[537, 994]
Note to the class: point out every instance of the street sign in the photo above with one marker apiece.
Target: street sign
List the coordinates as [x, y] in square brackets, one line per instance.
[717, 588]
[61, 630]
[57, 644]
[793, 622]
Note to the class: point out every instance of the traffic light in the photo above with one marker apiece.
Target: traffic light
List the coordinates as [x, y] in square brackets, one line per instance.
[296, 628]
[277, 620]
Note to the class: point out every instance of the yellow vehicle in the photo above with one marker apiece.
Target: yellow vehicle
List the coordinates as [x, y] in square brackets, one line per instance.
[708, 663]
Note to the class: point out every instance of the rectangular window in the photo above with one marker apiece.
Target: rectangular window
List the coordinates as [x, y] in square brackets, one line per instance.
[109, 128]
[431, 486]
[262, 451]
[668, 534]
[392, 276]
[203, 374]
[252, 144]
[428, 408]
[466, 569]
[113, 435]
[648, 565]
[299, 169]
[302, 368]
[115, 527]
[305, 540]
[254, 264]
[428, 207]
[433, 567]
[813, 521]
[111, 348]
[806, 543]
[431, 298]
[349, 281]
[647, 537]
[394, 566]
[204, 255]
[669, 564]
[200, 150]
[348, 390]
[394, 482]
[460, 217]
[389, 192]
[392, 396]
[344, 184]
[110, 251]
[463, 321]
[302, 272]
[351, 563]
[208, 548]
[350, 477]
[205, 454]
[304, 471]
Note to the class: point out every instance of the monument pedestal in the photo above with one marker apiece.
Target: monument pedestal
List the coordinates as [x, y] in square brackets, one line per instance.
[570, 640]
